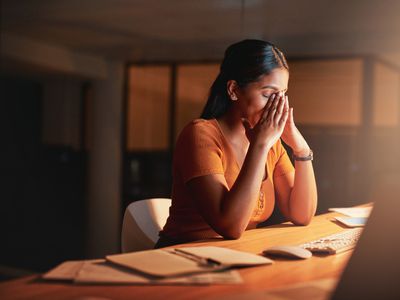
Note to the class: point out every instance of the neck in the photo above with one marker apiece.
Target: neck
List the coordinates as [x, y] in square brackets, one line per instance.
[232, 126]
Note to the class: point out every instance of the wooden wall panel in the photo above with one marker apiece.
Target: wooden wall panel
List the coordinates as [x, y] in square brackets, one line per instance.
[148, 108]
[326, 92]
[193, 85]
[386, 96]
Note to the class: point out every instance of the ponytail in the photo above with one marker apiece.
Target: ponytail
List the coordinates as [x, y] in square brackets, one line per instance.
[218, 100]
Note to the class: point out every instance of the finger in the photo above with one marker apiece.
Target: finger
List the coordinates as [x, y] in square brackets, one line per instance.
[280, 109]
[287, 103]
[275, 108]
[271, 99]
[270, 102]
[291, 115]
[267, 107]
[272, 109]
[284, 118]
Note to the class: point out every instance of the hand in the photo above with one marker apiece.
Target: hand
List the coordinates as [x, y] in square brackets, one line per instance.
[292, 136]
[271, 124]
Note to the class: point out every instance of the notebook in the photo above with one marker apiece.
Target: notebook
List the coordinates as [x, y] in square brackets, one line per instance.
[186, 260]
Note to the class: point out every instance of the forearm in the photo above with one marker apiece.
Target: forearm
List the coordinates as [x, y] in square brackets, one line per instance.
[303, 197]
[238, 203]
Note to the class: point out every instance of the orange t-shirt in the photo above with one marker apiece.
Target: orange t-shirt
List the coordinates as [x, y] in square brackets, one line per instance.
[202, 150]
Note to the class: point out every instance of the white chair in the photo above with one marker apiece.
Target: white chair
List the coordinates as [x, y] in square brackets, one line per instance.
[142, 222]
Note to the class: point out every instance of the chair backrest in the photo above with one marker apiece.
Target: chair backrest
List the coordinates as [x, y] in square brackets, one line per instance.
[142, 222]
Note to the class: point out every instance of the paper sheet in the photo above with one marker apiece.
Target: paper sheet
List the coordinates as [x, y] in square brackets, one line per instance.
[65, 271]
[355, 212]
[100, 272]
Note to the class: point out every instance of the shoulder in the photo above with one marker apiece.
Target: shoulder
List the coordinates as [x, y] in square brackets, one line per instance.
[201, 125]
[200, 130]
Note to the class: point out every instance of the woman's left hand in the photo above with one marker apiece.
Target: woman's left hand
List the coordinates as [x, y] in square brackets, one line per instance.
[292, 136]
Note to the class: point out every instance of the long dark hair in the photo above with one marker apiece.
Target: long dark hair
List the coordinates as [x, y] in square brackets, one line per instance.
[244, 62]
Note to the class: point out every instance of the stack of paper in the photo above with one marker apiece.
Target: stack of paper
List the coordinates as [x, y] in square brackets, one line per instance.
[189, 265]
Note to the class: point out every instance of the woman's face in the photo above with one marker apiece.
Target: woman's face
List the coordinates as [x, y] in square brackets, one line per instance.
[253, 97]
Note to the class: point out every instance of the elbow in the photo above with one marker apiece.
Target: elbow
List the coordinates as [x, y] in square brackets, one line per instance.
[302, 221]
[232, 235]
[230, 232]
[302, 218]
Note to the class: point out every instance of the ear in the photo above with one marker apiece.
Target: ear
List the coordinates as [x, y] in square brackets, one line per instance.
[232, 89]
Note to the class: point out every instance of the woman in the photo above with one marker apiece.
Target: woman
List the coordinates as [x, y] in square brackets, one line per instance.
[229, 166]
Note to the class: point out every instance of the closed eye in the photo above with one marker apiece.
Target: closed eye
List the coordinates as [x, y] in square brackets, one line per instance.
[269, 95]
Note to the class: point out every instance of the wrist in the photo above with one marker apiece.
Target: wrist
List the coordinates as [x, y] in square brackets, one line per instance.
[304, 157]
[259, 148]
[302, 152]
[263, 147]
[261, 144]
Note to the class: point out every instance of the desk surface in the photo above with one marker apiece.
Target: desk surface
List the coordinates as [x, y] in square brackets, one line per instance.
[262, 278]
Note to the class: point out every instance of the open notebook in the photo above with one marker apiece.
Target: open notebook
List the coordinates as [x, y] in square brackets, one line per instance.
[186, 260]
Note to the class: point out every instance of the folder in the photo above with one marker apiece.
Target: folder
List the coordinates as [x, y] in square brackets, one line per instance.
[164, 263]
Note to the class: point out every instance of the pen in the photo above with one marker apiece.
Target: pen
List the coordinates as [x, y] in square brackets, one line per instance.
[208, 262]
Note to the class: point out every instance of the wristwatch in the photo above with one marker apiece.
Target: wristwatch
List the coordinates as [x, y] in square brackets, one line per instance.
[304, 158]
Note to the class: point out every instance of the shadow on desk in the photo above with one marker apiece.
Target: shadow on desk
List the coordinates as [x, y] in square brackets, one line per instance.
[218, 240]
[275, 218]
[280, 226]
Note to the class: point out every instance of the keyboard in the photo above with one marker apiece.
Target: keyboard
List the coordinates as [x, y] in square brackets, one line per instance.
[335, 243]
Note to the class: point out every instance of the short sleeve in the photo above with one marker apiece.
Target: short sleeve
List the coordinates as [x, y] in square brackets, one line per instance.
[198, 151]
[283, 164]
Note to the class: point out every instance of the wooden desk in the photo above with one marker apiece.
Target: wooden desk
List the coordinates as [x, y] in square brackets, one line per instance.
[284, 272]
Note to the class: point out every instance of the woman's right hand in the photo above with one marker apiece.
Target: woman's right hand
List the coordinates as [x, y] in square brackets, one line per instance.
[271, 124]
